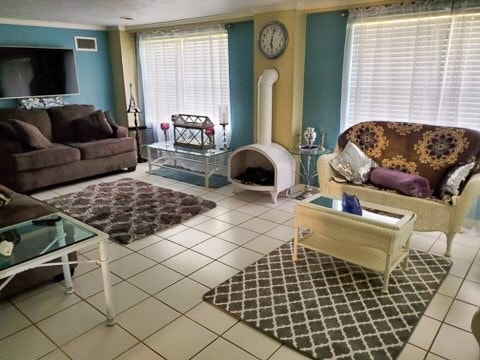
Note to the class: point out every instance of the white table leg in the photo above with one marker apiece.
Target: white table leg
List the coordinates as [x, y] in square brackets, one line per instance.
[207, 175]
[386, 275]
[107, 288]
[149, 158]
[60, 233]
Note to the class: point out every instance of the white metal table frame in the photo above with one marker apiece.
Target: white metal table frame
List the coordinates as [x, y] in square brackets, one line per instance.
[42, 260]
[175, 153]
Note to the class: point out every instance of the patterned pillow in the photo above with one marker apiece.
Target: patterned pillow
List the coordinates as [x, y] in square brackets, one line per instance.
[4, 200]
[452, 183]
[353, 164]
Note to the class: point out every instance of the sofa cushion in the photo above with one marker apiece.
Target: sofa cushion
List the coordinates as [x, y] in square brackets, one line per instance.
[112, 123]
[94, 126]
[105, 147]
[408, 184]
[420, 149]
[57, 154]
[62, 118]
[39, 118]
[7, 131]
[29, 135]
[454, 179]
[353, 164]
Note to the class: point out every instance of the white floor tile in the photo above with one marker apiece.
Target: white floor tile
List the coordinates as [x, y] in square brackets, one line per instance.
[411, 352]
[103, 342]
[29, 343]
[234, 217]
[238, 235]
[253, 341]
[212, 318]
[460, 268]
[187, 262]
[470, 292]
[47, 303]
[240, 258]
[281, 232]
[124, 296]
[277, 216]
[12, 320]
[172, 231]
[189, 237]
[285, 353]
[140, 352]
[155, 279]
[147, 317]
[450, 286]
[253, 209]
[214, 247]
[213, 226]
[91, 283]
[439, 306]
[221, 349]
[170, 342]
[460, 315]
[183, 295]
[72, 322]
[219, 210]
[162, 250]
[131, 265]
[263, 244]
[144, 242]
[115, 251]
[474, 273]
[258, 225]
[231, 203]
[453, 343]
[213, 274]
[196, 220]
[425, 332]
[55, 355]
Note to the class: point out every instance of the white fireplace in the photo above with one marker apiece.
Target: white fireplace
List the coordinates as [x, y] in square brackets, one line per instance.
[264, 154]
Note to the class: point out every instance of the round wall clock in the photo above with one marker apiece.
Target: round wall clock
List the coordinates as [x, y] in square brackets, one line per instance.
[273, 39]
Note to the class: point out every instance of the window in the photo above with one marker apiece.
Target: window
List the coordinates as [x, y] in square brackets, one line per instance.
[184, 71]
[415, 69]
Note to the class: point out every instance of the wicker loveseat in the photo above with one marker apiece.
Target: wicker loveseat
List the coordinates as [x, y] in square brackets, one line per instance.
[424, 150]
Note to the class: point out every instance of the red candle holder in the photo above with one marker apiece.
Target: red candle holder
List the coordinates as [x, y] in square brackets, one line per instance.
[165, 126]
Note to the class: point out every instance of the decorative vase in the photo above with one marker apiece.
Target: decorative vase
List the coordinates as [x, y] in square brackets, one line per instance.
[310, 135]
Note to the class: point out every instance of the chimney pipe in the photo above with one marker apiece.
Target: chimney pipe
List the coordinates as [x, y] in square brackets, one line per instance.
[265, 106]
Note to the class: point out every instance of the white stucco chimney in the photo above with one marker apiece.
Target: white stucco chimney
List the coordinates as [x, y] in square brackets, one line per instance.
[265, 106]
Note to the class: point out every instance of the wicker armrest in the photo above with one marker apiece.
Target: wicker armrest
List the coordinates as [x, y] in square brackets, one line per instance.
[466, 200]
[325, 171]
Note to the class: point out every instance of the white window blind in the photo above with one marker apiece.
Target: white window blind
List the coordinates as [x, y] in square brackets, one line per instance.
[420, 69]
[184, 72]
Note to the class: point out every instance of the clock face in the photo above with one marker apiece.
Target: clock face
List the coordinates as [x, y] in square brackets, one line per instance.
[273, 39]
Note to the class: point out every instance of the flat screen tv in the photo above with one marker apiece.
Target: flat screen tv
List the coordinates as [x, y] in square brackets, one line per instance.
[34, 71]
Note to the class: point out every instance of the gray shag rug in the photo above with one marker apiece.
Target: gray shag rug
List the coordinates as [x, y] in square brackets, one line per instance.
[327, 308]
[130, 209]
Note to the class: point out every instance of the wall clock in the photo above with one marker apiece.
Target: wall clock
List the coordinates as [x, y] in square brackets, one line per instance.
[273, 39]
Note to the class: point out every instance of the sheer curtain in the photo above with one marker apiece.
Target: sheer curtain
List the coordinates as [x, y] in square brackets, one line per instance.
[413, 63]
[183, 71]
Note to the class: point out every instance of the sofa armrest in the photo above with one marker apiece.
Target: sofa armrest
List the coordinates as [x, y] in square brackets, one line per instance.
[122, 132]
[465, 201]
[325, 171]
[7, 149]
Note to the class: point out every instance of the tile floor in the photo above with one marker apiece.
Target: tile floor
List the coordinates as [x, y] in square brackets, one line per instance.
[158, 283]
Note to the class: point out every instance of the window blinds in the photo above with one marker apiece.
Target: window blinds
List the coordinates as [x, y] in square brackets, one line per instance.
[418, 69]
[184, 72]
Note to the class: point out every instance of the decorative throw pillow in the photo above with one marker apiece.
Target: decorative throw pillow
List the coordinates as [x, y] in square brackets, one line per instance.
[8, 131]
[4, 200]
[29, 135]
[456, 176]
[408, 184]
[92, 127]
[353, 164]
[111, 122]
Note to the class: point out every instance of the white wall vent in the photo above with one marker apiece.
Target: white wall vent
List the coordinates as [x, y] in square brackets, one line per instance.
[83, 43]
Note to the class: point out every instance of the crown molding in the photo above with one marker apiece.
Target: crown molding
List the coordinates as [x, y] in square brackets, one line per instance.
[23, 22]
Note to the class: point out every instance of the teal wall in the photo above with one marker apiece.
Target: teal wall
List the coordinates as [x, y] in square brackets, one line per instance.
[324, 48]
[93, 68]
[240, 56]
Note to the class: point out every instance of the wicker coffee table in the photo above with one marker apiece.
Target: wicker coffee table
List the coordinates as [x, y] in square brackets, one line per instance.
[378, 240]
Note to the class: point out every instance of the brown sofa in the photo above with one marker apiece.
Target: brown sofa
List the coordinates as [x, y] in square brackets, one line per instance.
[425, 150]
[69, 154]
[22, 208]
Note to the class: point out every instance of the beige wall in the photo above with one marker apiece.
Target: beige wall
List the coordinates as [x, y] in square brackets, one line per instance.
[123, 61]
[288, 90]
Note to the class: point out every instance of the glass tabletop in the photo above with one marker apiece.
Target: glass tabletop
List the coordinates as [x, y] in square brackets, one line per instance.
[170, 147]
[312, 151]
[367, 212]
[32, 240]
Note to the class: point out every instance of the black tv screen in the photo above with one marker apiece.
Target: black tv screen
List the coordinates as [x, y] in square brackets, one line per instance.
[32, 71]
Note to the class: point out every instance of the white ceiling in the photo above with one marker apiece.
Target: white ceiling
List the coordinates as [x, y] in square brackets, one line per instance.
[108, 12]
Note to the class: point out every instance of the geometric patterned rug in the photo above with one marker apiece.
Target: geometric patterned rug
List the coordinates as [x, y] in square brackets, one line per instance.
[327, 308]
[129, 209]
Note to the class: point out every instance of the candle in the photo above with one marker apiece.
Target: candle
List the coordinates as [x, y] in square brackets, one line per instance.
[223, 114]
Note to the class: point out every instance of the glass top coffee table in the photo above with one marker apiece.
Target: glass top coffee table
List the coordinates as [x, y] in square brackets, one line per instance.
[211, 160]
[378, 240]
[38, 241]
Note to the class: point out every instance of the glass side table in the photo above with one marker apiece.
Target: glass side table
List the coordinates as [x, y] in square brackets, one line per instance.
[307, 170]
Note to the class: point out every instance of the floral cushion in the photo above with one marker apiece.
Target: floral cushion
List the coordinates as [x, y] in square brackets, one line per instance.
[417, 149]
